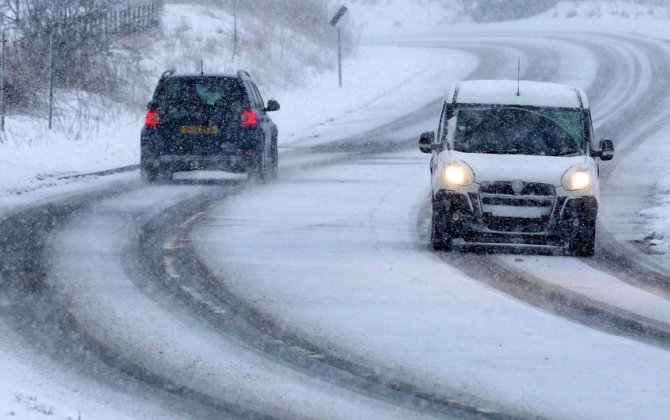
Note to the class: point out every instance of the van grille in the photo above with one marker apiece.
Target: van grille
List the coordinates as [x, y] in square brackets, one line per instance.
[516, 206]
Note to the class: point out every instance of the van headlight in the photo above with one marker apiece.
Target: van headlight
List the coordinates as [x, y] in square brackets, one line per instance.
[577, 178]
[457, 174]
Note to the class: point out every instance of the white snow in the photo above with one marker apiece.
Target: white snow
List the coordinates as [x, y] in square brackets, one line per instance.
[523, 92]
[156, 335]
[349, 274]
[352, 275]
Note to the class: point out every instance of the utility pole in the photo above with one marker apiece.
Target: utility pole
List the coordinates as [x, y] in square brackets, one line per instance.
[51, 78]
[2, 73]
[3, 41]
[234, 29]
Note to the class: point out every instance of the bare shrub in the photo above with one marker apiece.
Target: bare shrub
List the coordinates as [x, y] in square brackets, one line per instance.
[83, 36]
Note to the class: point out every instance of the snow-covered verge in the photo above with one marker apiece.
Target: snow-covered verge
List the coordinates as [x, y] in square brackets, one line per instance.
[28, 391]
[605, 9]
[32, 157]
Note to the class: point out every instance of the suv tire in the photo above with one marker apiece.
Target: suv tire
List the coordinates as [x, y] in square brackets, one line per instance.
[258, 170]
[275, 160]
[148, 173]
[165, 175]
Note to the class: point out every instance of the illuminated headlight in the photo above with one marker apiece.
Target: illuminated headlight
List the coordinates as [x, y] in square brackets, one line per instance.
[577, 178]
[458, 174]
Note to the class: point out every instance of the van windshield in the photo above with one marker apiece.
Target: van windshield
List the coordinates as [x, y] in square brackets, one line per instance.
[519, 130]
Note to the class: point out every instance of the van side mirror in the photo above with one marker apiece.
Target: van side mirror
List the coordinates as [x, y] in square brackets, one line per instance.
[606, 149]
[426, 142]
[272, 106]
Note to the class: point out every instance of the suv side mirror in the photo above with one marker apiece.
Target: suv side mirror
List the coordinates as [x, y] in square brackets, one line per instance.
[272, 106]
[426, 141]
[606, 149]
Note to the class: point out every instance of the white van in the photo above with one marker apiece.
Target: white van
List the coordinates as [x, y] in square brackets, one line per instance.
[514, 164]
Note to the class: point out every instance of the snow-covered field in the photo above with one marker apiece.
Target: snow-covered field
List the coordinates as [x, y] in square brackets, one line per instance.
[381, 82]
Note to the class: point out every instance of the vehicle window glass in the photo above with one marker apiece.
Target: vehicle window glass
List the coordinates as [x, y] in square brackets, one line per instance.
[258, 94]
[517, 130]
[200, 92]
[252, 94]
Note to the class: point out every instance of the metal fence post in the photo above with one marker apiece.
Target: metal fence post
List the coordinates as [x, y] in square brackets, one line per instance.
[234, 29]
[3, 57]
[51, 78]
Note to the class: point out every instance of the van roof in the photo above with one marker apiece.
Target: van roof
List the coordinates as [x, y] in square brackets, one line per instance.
[504, 92]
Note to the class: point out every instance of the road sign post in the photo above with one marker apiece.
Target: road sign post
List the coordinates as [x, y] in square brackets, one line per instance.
[333, 22]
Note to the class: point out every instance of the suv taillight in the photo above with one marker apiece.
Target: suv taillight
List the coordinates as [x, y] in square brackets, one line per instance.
[151, 119]
[249, 118]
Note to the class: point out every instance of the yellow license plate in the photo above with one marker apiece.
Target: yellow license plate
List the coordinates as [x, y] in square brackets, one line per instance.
[198, 129]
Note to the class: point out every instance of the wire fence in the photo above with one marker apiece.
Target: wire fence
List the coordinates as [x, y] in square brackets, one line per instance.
[116, 20]
[73, 43]
[139, 17]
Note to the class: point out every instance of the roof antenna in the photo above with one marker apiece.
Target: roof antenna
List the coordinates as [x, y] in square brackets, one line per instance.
[518, 78]
[202, 69]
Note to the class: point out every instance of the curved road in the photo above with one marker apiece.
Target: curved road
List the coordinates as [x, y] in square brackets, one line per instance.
[114, 285]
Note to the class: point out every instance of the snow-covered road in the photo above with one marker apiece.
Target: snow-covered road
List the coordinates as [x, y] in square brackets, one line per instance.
[335, 257]
[317, 296]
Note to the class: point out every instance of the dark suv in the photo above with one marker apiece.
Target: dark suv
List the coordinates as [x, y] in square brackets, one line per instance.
[208, 122]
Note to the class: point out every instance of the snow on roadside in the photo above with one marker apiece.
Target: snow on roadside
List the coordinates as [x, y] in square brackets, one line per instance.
[27, 394]
[27, 406]
[401, 16]
[380, 84]
[33, 157]
[597, 9]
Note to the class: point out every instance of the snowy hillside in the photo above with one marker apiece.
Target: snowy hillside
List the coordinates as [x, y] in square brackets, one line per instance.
[604, 9]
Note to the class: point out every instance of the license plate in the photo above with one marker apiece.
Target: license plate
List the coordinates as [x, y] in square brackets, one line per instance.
[199, 129]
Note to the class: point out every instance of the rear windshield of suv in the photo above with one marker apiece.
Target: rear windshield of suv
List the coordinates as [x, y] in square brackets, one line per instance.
[519, 130]
[200, 92]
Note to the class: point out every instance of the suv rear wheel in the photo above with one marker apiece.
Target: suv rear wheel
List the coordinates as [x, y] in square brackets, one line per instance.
[275, 160]
[258, 170]
[148, 174]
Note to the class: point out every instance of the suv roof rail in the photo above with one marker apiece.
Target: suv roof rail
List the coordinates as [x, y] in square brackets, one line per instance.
[243, 73]
[167, 73]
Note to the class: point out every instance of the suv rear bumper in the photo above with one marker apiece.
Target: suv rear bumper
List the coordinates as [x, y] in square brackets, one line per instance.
[172, 163]
[158, 154]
